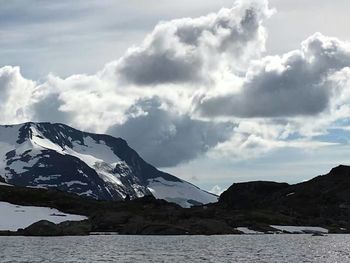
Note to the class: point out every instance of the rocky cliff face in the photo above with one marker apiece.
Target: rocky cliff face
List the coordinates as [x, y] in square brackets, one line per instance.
[45, 155]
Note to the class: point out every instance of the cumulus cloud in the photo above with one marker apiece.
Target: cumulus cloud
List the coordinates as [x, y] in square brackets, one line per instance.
[166, 138]
[15, 96]
[87, 102]
[198, 86]
[186, 50]
[297, 83]
[183, 50]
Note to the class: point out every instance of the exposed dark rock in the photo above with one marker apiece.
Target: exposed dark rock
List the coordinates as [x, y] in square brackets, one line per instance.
[249, 195]
[42, 228]
[47, 228]
[323, 201]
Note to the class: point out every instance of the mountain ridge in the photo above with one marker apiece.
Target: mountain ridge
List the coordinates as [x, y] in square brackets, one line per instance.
[95, 165]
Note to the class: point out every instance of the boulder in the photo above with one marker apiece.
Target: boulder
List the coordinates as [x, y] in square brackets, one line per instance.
[47, 228]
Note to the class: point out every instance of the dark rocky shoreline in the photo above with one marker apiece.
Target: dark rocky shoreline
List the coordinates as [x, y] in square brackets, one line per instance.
[323, 201]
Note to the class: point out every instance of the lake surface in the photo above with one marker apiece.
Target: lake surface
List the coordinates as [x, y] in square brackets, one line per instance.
[259, 248]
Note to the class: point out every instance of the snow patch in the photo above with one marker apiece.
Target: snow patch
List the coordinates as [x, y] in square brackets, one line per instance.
[5, 184]
[99, 150]
[301, 229]
[88, 193]
[104, 170]
[46, 178]
[14, 217]
[38, 139]
[179, 192]
[69, 184]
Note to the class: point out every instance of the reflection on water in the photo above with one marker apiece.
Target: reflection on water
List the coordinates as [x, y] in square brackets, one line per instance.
[260, 248]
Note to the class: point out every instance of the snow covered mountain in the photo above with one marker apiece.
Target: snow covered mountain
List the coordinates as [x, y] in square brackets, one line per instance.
[49, 155]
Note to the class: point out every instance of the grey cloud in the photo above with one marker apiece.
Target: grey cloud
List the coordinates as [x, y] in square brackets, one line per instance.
[184, 50]
[292, 85]
[156, 68]
[48, 110]
[6, 77]
[165, 138]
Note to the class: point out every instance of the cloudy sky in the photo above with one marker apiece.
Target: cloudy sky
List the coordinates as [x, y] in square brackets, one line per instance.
[214, 92]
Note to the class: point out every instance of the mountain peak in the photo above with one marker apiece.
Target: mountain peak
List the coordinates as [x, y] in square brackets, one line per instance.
[100, 166]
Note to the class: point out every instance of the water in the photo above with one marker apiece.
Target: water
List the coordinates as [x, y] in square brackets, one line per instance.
[261, 248]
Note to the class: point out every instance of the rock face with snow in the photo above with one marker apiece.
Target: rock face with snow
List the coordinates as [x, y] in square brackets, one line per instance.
[46, 155]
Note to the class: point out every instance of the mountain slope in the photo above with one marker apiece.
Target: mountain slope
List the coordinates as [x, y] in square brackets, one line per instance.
[49, 155]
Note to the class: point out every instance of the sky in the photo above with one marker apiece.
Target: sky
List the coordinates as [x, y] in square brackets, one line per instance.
[214, 92]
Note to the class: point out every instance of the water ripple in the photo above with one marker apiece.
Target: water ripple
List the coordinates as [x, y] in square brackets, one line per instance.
[260, 248]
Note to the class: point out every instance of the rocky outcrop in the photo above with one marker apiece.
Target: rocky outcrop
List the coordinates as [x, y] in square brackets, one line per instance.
[324, 200]
[250, 195]
[47, 228]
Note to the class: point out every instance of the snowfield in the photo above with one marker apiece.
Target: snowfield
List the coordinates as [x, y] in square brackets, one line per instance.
[14, 217]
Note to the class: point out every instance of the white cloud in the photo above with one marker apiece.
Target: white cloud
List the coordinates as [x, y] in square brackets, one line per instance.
[16, 93]
[148, 95]
[87, 102]
[186, 50]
